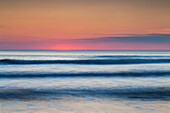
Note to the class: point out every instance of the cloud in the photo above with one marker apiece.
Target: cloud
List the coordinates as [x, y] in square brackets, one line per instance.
[124, 42]
[149, 38]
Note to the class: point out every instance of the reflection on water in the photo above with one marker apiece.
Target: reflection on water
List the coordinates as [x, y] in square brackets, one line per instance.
[84, 82]
[83, 94]
[87, 104]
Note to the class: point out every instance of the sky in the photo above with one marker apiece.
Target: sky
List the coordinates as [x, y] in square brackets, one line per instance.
[84, 24]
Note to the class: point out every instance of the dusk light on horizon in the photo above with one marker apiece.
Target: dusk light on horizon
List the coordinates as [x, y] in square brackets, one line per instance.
[84, 24]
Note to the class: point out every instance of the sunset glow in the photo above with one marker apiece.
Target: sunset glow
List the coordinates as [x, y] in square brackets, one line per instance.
[42, 24]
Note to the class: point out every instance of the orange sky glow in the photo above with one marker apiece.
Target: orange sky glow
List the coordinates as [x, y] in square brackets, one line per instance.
[67, 24]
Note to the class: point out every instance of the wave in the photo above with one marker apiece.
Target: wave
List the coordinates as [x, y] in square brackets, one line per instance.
[87, 61]
[150, 93]
[104, 74]
[131, 56]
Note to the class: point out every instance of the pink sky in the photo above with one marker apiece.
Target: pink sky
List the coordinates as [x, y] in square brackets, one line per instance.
[84, 25]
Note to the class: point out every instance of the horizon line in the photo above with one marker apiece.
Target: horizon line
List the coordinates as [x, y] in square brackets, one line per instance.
[73, 50]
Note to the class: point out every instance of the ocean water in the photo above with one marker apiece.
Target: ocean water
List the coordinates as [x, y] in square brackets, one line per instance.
[84, 81]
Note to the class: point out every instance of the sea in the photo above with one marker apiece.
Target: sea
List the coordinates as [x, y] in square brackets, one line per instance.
[41, 81]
